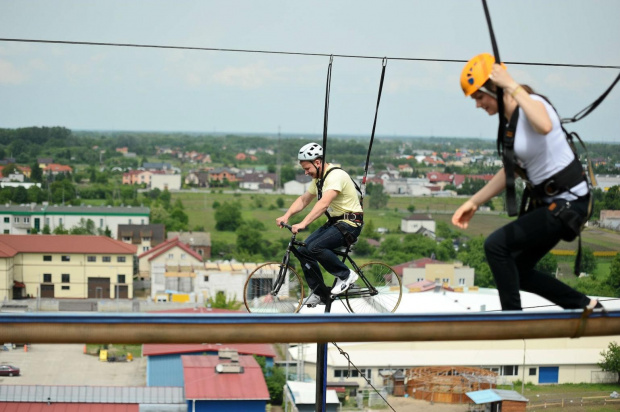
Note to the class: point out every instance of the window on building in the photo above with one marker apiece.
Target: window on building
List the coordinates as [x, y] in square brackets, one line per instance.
[445, 280]
[183, 256]
[6, 231]
[91, 258]
[145, 248]
[170, 255]
[141, 221]
[66, 278]
[510, 370]
[100, 222]
[106, 259]
[532, 371]
[16, 219]
[65, 258]
[47, 278]
[127, 239]
[26, 220]
[47, 258]
[461, 281]
[7, 220]
[47, 221]
[60, 221]
[146, 239]
[65, 287]
[206, 278]
[120, 279]
[121, 259]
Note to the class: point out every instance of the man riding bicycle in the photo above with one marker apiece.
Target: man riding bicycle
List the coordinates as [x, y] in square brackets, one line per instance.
[337, 196]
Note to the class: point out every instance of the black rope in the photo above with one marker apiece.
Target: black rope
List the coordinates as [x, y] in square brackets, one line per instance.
[372, 136]
[351, 56]
[587, 110]
[504, 148]
[319, 178]
[362, 374]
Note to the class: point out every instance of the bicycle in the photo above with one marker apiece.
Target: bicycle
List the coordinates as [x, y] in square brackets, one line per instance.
[277, 288]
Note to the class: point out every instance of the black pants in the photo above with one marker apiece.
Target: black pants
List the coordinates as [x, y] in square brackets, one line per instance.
[513, 250]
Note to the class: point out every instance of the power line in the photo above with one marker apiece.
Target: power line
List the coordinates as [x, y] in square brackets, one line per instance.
[290, 53]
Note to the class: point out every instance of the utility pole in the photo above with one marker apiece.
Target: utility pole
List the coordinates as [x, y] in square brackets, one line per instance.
[278, 166]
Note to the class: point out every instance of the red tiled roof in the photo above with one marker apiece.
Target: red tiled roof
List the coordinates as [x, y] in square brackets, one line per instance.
[203, 382]
[169, 244]
[10, 245]
[260, 349]
[67, 407]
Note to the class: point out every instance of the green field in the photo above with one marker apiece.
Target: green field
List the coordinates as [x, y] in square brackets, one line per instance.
[262, 207]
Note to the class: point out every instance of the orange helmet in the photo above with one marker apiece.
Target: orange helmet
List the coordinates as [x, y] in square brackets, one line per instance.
[476, 72]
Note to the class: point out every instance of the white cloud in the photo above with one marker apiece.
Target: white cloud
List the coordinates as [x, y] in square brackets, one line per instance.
[247, 77]
[9, 74]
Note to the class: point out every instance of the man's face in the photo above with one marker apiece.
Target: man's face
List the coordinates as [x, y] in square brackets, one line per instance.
[310, 168]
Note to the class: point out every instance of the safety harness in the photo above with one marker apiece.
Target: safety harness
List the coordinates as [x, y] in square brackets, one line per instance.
[353, 217]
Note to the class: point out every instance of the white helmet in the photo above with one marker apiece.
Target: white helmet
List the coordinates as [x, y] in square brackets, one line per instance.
[310, 152]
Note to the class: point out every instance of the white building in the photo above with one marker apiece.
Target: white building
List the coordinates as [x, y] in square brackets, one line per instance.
[21, 220]
[560, 360]
[299, 186]
[169, 182]
[416, 222]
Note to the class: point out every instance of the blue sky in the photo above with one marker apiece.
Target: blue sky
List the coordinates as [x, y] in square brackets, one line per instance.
[114, 88]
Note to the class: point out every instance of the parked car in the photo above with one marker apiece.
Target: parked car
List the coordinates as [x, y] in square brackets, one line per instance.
[8, 370]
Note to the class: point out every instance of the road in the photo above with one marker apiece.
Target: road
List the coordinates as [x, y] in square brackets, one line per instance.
[68, 365]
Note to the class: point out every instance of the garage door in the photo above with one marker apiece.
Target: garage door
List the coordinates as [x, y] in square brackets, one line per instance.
[47, 291]
[548, 374]
[99, 288]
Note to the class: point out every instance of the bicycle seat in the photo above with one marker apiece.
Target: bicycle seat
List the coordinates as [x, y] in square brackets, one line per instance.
[343, 249]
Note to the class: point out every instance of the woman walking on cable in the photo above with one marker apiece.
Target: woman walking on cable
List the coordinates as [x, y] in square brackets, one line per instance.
[557, 188]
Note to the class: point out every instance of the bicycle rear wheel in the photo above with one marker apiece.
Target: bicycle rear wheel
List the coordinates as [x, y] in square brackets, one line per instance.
[387, 290]
[260, 295]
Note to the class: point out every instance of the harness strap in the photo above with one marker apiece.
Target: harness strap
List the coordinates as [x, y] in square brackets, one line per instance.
[508, 157]
[562, 181]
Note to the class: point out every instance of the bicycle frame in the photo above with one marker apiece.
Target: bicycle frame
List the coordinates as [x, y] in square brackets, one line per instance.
[343, 253]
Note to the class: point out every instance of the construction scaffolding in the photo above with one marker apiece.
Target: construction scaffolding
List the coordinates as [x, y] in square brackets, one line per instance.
[447, 384]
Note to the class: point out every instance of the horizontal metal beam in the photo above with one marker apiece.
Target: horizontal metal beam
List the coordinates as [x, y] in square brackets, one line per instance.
[253, 328]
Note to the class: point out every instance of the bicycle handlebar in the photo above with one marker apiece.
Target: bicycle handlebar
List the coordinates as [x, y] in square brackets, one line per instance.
[289, 227]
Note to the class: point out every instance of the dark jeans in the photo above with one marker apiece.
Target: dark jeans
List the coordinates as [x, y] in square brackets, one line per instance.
[319, 249]
[513, 250]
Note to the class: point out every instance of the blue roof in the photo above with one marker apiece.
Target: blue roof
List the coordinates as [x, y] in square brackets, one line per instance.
[495, 395]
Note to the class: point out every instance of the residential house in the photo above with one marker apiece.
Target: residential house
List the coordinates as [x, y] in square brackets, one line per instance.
[171, 265]
[223, 174]
[199, 242]
[416, 223]
[65, 266]
[301, 396]
[427, 269]
[299, 186]
[258, 181]
[610, 219]
[139, 177]
[144, 237]
[23, 219]
[197, 178]
[54, 169]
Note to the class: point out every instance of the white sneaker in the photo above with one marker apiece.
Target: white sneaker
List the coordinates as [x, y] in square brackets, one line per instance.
[343, 285]
[312, 301]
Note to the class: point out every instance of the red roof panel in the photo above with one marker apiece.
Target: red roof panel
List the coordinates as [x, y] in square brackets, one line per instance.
[10, 245]
[260, 349]
[203, 382]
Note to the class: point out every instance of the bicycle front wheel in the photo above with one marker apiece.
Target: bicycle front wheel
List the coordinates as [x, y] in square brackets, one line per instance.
[273, 288]
[384, 294]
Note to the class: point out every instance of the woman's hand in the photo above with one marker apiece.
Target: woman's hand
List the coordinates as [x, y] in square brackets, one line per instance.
[502, 78]
[463, 214]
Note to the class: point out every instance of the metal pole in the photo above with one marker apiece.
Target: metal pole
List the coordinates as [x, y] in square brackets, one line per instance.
[321, 370]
